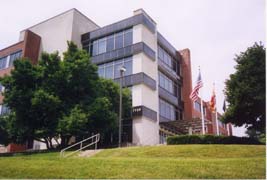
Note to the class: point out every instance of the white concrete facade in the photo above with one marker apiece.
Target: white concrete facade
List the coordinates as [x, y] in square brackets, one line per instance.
[56, 31]
[71, 25]
[145, 130]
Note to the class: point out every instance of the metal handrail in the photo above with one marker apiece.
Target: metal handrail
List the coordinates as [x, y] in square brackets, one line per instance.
[97, 137]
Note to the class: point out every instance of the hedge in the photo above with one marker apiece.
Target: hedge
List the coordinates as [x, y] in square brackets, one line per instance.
[210, 139]
[28, 152]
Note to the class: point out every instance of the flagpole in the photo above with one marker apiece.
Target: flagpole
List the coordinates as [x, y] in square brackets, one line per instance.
[217, 124]
[202, 114]
[216, 116]
[201, 109]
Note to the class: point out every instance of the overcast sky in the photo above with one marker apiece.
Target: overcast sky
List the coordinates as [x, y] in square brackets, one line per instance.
[213, 30]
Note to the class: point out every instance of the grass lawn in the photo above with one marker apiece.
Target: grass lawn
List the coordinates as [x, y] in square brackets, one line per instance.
[180, 161]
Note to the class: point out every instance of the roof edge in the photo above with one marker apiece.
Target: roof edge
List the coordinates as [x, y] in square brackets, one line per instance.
[72, 9]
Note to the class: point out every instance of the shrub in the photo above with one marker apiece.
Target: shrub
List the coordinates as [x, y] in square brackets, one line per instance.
[210, 139]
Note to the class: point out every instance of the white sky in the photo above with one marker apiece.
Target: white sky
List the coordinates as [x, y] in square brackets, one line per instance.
[213, 30]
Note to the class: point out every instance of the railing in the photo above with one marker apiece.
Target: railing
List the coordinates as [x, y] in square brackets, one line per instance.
[94, 140]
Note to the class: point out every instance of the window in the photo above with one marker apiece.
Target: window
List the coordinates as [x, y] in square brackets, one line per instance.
[128, 37]
[112, 70]
[197, 106]
[111, 42]
[95, 48]
[101, 71]
[14, 56]
[167, 110]
[102, 43]
[160, 51]
[128, 64]
[167, 84]
[119, 40]
[167, 59]
[3, 62]
[118, 65]
[109, 71]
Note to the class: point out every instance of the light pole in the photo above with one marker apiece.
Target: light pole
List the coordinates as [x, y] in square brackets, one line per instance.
[122, 70]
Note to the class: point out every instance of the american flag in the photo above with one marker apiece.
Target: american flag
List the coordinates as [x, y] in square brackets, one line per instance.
[194, 93]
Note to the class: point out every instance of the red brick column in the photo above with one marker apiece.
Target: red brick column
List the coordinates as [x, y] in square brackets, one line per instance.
[187, 83]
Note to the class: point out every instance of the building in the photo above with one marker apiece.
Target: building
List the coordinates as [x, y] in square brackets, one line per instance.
[210, 119]
[158, 75]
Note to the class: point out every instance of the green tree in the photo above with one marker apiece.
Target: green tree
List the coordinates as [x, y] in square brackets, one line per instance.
[245, 90]
[59, 99]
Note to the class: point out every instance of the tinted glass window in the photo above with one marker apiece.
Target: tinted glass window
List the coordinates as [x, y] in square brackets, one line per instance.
[101, 71]
[112, 70]
[129, 67]
[95, 48]
[161, 81]
[110, 43]
[128, 37]
[160, 53]
[118, 65]
[162, 108]
[109, 72]
[165, 57]
[14, 56]
[167, 110]
[197, 106]
[119, 40]
[167, 83]
[102, 45]
[3, 62]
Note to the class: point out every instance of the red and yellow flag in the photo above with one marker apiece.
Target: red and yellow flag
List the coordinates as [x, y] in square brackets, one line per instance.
[213, 101]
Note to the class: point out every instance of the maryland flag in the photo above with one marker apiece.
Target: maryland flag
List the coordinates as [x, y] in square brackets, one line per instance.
[213, 101]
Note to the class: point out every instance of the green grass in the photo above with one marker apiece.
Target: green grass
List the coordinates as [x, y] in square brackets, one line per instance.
[181, 161]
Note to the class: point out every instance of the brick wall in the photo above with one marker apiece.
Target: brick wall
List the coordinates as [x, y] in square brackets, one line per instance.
[16, 147]
[187, 83]
[30, 47]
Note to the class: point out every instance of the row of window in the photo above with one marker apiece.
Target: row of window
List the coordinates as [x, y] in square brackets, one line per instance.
[167, 84]
[112, 70]
[167, 110]
[7, 61]
[111, 42]
[167, 59]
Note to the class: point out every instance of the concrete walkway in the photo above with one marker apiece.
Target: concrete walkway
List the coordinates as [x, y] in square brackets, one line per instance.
[89, 153]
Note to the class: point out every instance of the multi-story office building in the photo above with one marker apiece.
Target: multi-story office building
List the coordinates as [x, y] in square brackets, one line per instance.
[158, 75]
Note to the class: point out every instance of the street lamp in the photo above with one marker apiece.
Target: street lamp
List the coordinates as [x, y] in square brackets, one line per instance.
[122, 70]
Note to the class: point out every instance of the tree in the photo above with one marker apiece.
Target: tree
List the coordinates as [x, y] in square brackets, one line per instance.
[245, 90]
[58, 99]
